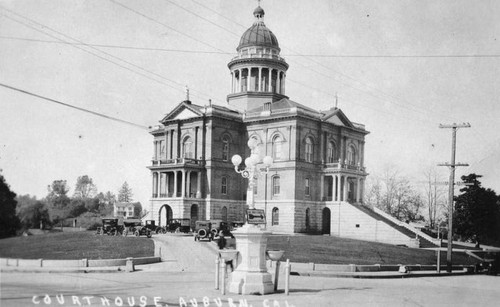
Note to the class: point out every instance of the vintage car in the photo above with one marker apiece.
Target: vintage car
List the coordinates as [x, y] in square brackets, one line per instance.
[236, 224]
[179, 225]
[202, 230]
[142, 231]
[130, 225]
[110, 227]
[151, 225]
[218, 226]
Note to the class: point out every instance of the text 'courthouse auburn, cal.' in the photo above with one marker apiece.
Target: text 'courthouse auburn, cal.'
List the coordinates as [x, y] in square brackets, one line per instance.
[318, 156]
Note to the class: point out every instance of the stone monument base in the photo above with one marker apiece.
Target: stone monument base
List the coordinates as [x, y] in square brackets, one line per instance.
[251, 283]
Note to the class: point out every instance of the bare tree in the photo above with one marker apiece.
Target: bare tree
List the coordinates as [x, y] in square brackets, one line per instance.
[434, 195]
[395, 195]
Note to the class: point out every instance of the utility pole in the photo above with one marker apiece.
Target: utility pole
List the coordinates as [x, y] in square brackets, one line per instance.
[451, 184]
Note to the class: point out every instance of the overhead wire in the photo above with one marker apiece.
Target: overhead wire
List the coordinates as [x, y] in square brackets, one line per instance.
[73, 107]
[98, 50]
[415, 108]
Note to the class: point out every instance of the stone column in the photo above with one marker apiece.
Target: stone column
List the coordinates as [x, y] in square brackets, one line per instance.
[322, 188]
[248, 78]
[167, 183]
[283, 84]
[346, 185]
[338, 179]
[183, 182]
[260, 79]
[198, 185]
[175, 184]
[358, 189]
[188, 184]
[278, 82]
[270, 80]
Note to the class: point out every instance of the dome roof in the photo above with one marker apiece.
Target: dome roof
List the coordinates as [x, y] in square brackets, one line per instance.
[258, 35]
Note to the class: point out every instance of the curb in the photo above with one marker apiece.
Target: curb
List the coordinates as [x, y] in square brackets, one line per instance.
[381, 275]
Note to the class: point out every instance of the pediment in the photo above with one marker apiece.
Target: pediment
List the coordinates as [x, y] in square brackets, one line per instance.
[183, 111]
[338, 118]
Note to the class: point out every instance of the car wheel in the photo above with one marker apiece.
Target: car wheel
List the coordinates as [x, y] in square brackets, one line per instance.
[137, 234]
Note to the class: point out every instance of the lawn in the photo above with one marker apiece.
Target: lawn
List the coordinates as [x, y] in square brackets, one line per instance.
[75, 245]
[334, 250]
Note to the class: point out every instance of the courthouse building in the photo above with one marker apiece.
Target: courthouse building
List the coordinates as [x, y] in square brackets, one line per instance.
[318, 156]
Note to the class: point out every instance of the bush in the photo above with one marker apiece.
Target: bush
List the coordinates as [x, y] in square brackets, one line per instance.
[89, 221]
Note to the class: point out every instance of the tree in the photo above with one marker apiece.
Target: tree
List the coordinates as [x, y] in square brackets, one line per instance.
[85, 188]
[477, 212]
[395, 195]
[9, 223]
[58, 201]
[125, 193]
[34, 215]
[434, 196]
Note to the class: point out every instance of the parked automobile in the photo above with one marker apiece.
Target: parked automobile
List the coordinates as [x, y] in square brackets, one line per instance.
[142, 231]
[220, 225]
[151, 225]
[179, 225]
[131, 225]
[110, 227]
[236, 224]
[202, 230]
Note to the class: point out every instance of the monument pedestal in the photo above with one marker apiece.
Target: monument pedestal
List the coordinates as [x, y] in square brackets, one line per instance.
[250, 275]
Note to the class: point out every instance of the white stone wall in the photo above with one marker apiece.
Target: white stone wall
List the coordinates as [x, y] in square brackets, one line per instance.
[350, 222]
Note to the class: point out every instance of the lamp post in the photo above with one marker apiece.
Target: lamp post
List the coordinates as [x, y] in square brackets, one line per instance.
[252, 169]
[250, 275]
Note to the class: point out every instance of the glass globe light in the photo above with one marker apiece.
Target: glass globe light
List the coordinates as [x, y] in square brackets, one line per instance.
[236, 160]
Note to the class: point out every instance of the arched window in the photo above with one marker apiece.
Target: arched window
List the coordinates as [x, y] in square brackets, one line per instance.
[330, 154]
[225, 148]
[309, 150]
[275, 220]
[277, 146]
[351, 155]
[308, 187]
[187, 148]
[276, 185]
[223, 186]
[224, 213]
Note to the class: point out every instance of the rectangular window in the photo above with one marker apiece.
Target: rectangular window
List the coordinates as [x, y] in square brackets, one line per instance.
[276, 185]
[223, 186]
[308, 189]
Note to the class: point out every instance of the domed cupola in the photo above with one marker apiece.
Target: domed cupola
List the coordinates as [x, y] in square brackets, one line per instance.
[258, 34]
[257, 72]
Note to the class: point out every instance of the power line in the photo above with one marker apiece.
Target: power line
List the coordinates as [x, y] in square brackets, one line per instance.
[114, 46]
[74, 107]
[370, 88]
[98, 55]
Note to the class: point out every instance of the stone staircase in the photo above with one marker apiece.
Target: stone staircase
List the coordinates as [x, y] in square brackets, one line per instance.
[425, 241]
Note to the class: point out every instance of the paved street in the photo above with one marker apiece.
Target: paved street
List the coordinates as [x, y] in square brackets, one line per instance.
[188, 275]
[173, 288]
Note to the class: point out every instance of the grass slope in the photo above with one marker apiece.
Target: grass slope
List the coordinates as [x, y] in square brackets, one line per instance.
[75, 245]
[334, 250]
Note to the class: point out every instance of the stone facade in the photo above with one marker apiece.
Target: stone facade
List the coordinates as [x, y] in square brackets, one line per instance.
[318, 155]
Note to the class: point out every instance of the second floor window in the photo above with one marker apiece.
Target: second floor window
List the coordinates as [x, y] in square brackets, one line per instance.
[187, 148]
[223, 186]
[277, 145]
[330, 155]
[308, 187]
[309, 150]
[225, 149]
[351, 155]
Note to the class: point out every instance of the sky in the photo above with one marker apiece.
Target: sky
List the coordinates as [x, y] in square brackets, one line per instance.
[401, 68]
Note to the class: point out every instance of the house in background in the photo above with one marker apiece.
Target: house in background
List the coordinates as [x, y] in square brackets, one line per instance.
[125, 210]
